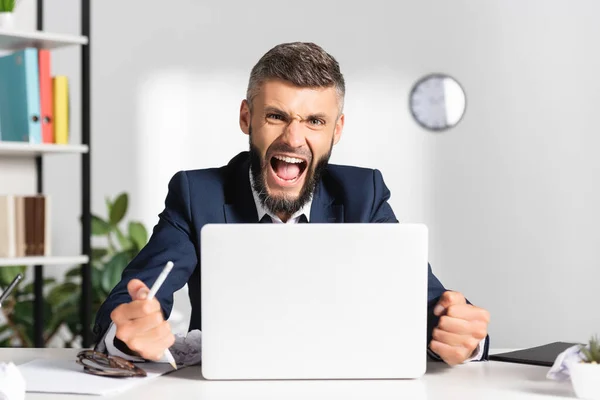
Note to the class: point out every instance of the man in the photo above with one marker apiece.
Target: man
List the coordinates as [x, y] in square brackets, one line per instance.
[293, 115]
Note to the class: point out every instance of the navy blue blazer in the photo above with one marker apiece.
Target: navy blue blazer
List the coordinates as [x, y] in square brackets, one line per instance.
[223, 195]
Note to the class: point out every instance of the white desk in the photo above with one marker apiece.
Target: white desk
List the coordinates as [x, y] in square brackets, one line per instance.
[478, 380]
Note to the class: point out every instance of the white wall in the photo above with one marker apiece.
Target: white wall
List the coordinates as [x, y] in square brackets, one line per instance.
[508, 195]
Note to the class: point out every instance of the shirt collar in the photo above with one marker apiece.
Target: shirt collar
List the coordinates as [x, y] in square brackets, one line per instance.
[261, 211]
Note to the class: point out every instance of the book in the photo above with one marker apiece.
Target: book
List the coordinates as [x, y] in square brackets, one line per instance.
[46, 96]
[25, 226]
[19, 226]
[60, 87]
[20, 97]
[7, 226]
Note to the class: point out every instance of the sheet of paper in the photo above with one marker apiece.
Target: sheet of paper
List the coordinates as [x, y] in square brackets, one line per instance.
[66, 376]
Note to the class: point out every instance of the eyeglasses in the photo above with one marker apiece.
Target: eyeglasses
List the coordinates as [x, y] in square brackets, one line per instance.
[97, 363]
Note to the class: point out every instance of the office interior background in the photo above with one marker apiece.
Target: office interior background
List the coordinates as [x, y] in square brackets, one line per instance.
[510, 194]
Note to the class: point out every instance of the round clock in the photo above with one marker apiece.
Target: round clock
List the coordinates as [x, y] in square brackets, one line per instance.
[437, 102]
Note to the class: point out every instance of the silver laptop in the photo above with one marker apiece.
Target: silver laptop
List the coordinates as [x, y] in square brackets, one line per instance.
[314, 301]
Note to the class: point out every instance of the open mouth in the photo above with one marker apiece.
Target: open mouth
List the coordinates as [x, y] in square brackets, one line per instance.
[288, 169]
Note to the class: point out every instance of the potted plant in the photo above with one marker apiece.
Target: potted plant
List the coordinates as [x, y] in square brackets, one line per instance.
[585, 374]
[120, 241]
[7, 8]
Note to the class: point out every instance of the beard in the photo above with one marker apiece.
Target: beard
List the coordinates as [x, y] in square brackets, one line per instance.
[286, 204]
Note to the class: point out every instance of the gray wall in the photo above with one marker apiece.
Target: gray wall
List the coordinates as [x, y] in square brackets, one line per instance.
[508, 195]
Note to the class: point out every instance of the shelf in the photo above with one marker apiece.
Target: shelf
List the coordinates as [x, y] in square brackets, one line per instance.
[29, 149]
[43, 261]
[16, 40]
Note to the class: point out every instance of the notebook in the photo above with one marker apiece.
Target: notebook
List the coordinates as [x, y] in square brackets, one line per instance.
[541, 355]
[66, 376]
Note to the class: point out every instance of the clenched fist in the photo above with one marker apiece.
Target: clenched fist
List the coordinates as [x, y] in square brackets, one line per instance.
[460, 329]
[141, 325]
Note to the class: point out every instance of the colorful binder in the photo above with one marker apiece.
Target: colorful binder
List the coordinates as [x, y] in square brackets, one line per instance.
[61, 109]
[46, 96]
[20, 97]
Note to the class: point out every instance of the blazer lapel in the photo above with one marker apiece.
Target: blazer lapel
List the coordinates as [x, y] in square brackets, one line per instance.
[239, 204]
[323, 209]
[240, 214]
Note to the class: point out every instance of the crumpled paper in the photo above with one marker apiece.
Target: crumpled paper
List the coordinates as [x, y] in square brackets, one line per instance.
[187, 349]
[560, 368]
[12, 383]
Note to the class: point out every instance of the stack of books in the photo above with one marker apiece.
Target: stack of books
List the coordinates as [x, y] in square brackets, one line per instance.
[24, 226]
[34, 104]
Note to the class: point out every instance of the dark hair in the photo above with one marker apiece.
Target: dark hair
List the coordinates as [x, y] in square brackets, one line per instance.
[302, 64]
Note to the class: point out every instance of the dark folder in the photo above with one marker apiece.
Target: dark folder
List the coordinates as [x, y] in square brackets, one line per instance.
[542, 355]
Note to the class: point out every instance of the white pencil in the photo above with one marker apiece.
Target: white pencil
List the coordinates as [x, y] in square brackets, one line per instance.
[159, 281]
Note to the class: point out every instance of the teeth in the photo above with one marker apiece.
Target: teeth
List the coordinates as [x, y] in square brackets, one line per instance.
[290, 160]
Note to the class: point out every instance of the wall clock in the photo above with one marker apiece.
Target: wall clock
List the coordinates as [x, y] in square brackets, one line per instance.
[437, 102]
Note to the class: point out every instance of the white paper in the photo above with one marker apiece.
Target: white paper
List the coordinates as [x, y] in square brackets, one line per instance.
[66, 376]
[12, 384]
[560, 368]
[187, 349]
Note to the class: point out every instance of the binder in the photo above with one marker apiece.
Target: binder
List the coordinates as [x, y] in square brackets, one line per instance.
[543, 355]
[20, 97]
[46, 101]
[60, 85]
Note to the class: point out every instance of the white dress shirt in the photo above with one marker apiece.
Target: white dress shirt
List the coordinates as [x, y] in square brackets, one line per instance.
[261, 211]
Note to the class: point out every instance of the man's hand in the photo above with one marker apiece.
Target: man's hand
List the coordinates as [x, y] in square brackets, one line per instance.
[460, 329]
[140, 324]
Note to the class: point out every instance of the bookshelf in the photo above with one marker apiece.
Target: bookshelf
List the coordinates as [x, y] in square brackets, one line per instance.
[52, 260]
[13, 40]
[16, 149]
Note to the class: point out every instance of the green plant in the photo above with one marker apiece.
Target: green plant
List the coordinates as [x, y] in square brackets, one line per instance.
[7, 5]
[592, 355]
[18, 310]
[62, 299]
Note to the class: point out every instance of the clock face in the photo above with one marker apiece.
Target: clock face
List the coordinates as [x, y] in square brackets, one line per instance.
[437, 102]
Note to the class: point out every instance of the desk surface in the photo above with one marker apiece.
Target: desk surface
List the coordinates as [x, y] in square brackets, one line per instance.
[477, 380]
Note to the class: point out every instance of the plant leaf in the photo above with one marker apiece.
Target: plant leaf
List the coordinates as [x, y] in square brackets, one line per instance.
[7, 274]
[23, 313]
[111, 275]
[594, 350]
[99, 226]
[74, 272]
[62, 294]
[124, 241]
[29, 288]
[97, 288]
[62, 315]
[119, 209]
[108, 204]
[99, 253]
[4, 328]
[586, 353]
[7, 5]
[138, 235]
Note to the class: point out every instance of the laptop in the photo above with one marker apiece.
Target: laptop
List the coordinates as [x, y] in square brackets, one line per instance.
[314, 301]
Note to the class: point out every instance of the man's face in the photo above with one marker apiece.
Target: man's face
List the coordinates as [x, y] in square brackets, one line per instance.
[292, 131]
